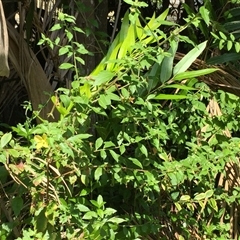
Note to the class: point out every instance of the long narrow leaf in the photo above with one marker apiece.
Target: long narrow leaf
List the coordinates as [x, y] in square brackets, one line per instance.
[128, 42]
[189, 58]
[170, 97]
[179, 86]
[192, 74]
[167, 64]
[155, 23]
[224, 58]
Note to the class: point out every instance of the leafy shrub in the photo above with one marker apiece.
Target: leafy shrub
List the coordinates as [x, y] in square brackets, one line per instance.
[135, 154]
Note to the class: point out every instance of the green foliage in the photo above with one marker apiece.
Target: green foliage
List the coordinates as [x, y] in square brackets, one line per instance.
[129, 158]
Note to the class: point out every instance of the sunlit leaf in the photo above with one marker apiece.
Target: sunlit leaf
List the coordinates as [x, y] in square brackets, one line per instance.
[194, 74]
[205, 15]
[66, 66]
[5, 139]
[179, 86]
[200, 196]
[102, 77]
[170, 97]
[189, 58]
[185, 198]
[229, 45]
[98, 143]
[98, 173]
[209, 193]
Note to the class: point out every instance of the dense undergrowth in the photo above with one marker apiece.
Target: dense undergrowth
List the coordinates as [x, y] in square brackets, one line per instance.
[141, 151]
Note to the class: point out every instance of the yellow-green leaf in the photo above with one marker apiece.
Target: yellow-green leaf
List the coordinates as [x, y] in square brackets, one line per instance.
[193, 74]
[170, 97]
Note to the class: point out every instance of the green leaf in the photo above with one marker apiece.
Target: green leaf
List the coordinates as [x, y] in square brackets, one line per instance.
[122, 149]
[155, 23]
[232, 37]
[56, 26]
[13, 153]
[81, 136]
[205, 15]
[103, 77]
[222, 35]
[82, 208]
[85, 90]
[221, 44]
[100, 213]
[103, 154]
[41, 221]
[100, 200]
[69, 35]
[17, 204]
[124, 27]
[224, 58]
[138, 28]
[6, 138]
[64, 50]
[125, 93]
[98, 173]
[232, 26]
[108, 144]
[189, 58]
[109, 211]
[179, 86]
[170, 97]
[113, 96]
[116, 220]
[85, 192]
[209, 193]
[77, 29]
[200, 196]
[143, 149]
[66, 66]
[152, 76]
[128, 42]
[114, 155]
[98, 143]
[237, 47]
[167, 63]
[90, 215]
[193, 74]
[229, 45]
[104, 101]
[213, 204]
[136, 162]
[84, 179]
[185, 198]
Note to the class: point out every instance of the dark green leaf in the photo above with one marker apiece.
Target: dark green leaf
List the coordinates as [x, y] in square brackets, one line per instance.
[167, 63]
[17, 204]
